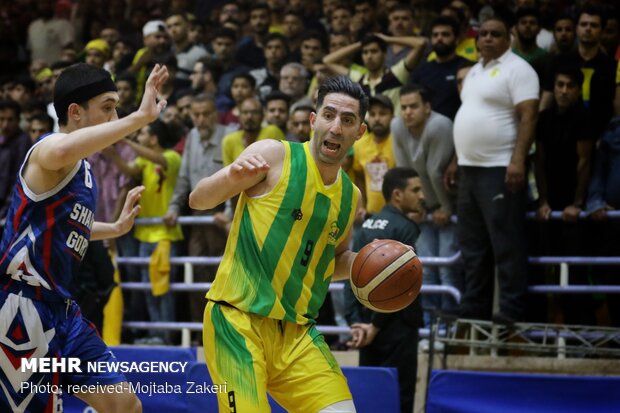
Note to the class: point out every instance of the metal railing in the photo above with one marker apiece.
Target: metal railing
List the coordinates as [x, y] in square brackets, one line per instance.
[189, 262]
[187, 327]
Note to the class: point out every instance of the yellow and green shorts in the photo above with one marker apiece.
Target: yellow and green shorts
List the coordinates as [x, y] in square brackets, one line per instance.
[254, 355]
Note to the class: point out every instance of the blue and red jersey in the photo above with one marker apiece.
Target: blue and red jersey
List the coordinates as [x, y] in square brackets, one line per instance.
[46, 235]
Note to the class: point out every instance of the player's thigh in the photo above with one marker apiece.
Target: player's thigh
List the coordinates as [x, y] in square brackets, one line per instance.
[105, 390]
[235, 357]
[84, 342]
[111, 399]
[305, 376]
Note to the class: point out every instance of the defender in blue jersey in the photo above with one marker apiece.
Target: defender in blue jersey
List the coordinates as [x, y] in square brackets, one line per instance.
[49, 225]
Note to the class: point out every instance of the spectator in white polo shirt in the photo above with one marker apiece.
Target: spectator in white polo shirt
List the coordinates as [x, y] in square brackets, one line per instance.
[493, 131]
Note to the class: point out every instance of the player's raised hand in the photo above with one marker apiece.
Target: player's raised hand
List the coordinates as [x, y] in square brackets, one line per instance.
[130, 210]
[247, 165]
[149, 105]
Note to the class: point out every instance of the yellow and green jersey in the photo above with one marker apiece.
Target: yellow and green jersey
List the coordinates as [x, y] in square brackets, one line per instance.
[280, 254]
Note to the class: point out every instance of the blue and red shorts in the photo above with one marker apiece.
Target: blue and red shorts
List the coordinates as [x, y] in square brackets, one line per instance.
[45, 328]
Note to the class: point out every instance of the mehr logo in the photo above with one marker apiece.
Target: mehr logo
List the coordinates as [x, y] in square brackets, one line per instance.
[74, 365]
[51, 365]
[333, 233]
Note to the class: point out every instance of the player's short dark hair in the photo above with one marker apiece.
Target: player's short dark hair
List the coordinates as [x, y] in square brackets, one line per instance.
[424, 93]
[396, 178]
[343, 84]
[78, 84]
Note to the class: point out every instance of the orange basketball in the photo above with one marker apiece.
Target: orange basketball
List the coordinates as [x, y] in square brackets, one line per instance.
[386, 276]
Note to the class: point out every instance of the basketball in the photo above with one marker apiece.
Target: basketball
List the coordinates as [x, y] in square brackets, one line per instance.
[386, 276]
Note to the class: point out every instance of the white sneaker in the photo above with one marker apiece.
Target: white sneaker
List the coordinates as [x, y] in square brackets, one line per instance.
[424, 345]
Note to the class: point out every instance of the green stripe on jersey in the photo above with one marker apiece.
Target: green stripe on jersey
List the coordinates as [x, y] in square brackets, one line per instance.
[294, 284]
[231, 352]
[319, 342]
[321, 285]
[279, 232]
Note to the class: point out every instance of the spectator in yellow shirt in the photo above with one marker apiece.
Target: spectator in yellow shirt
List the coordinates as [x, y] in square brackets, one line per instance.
[373, 155]
[250, 119]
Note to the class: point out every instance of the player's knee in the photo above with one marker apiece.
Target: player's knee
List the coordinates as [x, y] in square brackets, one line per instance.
[345, 406]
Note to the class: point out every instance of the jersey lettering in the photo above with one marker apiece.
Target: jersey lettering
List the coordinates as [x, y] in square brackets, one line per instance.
[307, 253]
[375, 223]
[88, 178]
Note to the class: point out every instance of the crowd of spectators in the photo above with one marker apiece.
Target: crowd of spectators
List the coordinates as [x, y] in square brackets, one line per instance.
[538, 128]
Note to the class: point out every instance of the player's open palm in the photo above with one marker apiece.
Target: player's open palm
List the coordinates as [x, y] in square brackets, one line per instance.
[130, 210]
[149, 105]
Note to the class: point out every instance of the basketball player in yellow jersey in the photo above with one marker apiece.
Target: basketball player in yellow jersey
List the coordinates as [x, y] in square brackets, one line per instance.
[289, 238]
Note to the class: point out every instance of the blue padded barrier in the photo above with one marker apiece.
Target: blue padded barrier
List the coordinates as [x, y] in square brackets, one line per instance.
[469, 392]
[374, 389]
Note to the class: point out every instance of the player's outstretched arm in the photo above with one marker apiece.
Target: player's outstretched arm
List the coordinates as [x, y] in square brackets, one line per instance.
[107, 230]
[249, 170]
[61, 151]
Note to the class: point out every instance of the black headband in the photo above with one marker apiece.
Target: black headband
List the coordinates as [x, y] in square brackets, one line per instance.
[84, 94]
